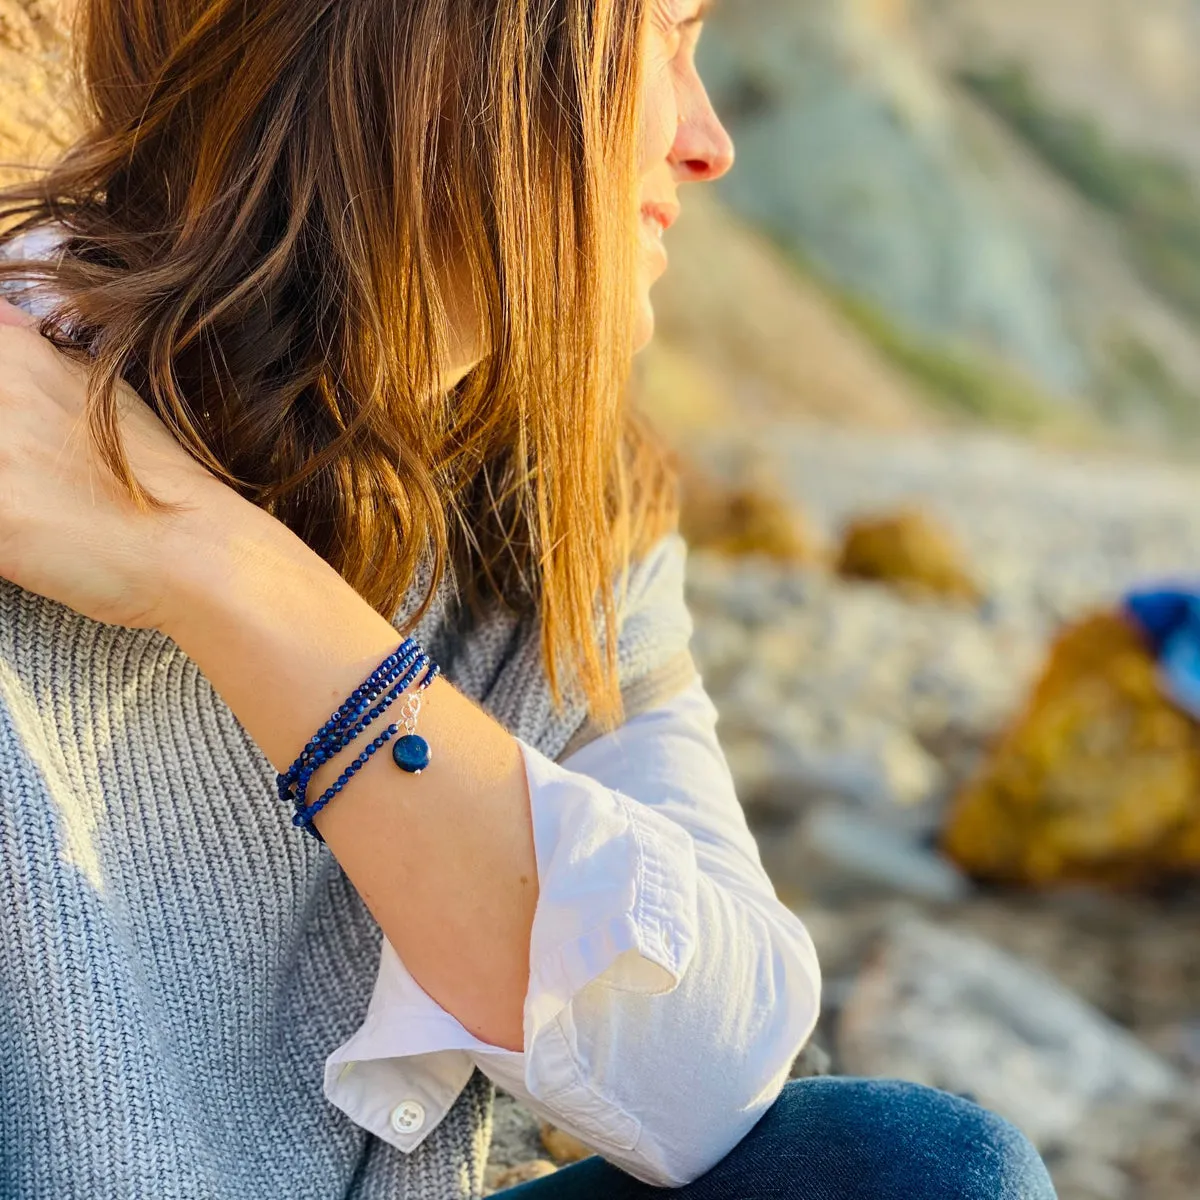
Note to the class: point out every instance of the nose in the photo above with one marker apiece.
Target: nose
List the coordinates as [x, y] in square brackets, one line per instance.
[703, 149]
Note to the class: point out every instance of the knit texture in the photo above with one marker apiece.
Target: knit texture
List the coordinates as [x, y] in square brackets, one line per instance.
[176, 960]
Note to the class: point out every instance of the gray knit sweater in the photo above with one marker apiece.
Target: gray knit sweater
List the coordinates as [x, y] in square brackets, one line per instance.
[176, 960]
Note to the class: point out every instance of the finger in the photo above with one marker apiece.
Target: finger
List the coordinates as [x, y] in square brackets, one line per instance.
[10, 314]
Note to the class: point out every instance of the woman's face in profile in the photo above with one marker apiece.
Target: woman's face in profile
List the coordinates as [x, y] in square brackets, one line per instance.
[682, 139]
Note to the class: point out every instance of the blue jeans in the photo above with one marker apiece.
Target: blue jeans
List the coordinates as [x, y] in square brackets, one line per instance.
[839, 1137]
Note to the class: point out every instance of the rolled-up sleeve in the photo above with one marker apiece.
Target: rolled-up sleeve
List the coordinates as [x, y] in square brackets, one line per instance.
[669, 988]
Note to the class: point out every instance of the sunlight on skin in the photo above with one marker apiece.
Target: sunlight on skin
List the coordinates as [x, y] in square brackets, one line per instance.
[682, 139]
[448, 863]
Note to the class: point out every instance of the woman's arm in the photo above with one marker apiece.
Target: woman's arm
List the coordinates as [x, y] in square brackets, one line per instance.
[444, 860]
[670, 989]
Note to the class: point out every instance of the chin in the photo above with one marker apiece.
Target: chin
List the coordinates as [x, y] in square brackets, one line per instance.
[643, 323]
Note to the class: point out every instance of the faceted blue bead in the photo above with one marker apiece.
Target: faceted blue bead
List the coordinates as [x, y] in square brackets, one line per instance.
[411, 752]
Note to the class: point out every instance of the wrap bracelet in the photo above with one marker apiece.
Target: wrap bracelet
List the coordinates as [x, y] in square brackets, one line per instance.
[386, 684]
[353, 707]
[343, 734]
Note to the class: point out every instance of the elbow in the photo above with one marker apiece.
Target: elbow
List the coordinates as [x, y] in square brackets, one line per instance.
[747, 1068]
[709, 1133]
[666, 1084]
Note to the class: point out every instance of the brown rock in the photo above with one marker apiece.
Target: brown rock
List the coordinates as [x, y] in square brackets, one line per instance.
[748, 518]
[507, 1177]
[563, 1147]
[36, 121]
[1096, 781]
[909, 550]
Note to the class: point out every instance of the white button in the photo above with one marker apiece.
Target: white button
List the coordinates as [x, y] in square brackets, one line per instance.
[408, 1116]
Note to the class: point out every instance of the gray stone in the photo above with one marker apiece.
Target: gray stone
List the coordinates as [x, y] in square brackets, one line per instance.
[953, 1012]
[836, 852]
[811, 1061]
[516, 1136]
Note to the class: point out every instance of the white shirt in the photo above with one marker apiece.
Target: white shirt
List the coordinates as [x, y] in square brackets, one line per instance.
[669, 987]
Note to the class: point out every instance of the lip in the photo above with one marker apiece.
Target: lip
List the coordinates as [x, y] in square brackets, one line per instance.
[665, 214]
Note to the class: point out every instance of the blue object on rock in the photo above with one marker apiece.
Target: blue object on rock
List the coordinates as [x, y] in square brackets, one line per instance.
[1170, 619]
[411, 752]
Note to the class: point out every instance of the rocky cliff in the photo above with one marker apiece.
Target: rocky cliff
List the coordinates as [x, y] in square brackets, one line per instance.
[1013, 182]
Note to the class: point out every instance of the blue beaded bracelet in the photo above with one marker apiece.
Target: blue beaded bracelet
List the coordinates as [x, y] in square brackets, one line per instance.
[345, 734]
[365, 704]
[355, 704]
[411, 753]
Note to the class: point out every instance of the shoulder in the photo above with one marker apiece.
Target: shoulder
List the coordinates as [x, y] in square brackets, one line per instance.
[654, 595]
[655, 622]
[654, 656]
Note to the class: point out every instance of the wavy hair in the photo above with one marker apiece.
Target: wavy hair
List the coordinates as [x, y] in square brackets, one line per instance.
[258, 224]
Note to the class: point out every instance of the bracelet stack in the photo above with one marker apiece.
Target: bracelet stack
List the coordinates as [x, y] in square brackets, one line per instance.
[382, 688]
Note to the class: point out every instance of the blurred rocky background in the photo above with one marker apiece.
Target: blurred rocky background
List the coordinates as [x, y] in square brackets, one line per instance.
[930, 357]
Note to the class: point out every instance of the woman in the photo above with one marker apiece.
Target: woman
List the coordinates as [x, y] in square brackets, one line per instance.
[344, 294]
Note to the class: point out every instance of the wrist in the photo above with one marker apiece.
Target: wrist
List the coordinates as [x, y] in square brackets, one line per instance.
[241, 585]
[216, 555]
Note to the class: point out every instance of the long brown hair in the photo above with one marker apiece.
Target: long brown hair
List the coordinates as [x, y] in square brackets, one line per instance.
[256, 224]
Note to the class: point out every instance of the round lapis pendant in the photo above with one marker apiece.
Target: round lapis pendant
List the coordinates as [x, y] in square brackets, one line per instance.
[411, 753]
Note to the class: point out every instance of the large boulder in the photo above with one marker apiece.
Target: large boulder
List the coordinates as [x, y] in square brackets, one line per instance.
[1097, 779]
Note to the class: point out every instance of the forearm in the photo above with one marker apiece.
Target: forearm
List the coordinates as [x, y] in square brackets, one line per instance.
[444, 860]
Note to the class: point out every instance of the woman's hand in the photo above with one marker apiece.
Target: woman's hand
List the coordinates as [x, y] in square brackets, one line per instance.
[68, 529]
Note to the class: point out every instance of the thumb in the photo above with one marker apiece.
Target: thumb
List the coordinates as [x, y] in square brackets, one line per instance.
[10, 314]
